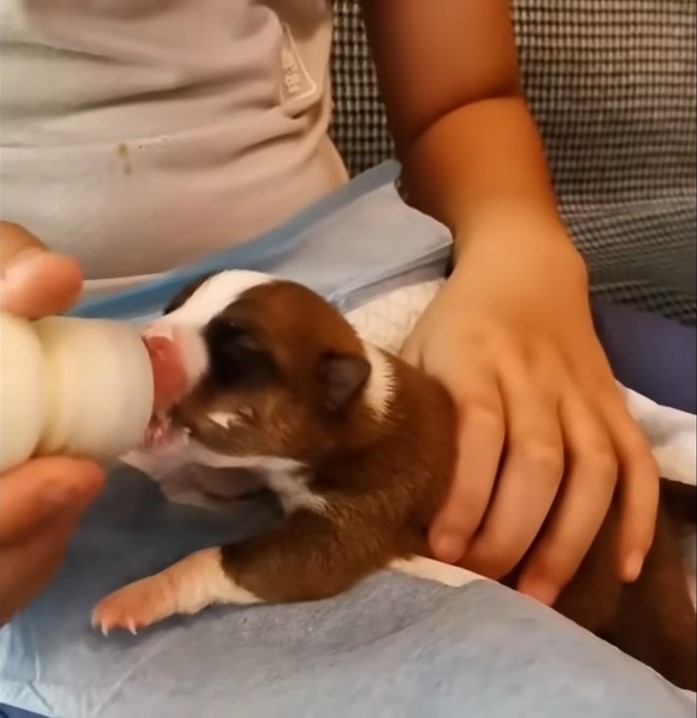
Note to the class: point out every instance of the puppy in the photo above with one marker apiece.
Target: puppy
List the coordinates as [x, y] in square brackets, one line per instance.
[360, 449]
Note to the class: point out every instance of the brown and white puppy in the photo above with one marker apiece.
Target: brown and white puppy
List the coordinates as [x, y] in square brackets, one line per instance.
[360, 448]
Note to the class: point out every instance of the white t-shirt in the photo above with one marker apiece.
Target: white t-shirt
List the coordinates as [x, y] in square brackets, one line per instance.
[139, 135]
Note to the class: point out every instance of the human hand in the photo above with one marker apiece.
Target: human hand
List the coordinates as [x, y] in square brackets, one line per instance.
[41, 501]
[544, 436]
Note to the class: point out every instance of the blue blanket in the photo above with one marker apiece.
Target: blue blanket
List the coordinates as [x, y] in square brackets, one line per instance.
[394, 646]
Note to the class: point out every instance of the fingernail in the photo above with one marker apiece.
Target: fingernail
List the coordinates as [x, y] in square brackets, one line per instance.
[541, 591]
[633, 565]
[449, 547]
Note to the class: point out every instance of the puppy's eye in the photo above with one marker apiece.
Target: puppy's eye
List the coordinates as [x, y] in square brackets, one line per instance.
[226, 337]
[237, 358]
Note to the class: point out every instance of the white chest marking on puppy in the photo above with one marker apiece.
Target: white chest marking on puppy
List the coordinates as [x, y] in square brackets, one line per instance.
[380, 388]
[186, 587]
[285, 477]
[294, 493]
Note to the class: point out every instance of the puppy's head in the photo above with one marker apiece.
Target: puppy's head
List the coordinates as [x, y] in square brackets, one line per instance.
[272, 369]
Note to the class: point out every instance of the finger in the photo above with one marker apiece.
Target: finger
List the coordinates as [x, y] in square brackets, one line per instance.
[35, 282]
[480, 442]
[27, 568]
[582, 506]
[530, 477]
[639, 484]
[42, 490]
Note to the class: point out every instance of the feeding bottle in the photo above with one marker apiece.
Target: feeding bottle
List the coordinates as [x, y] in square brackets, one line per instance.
[77, 387]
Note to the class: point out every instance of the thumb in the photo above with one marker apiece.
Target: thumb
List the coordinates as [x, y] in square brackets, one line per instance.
[44, 489]
[35, 282]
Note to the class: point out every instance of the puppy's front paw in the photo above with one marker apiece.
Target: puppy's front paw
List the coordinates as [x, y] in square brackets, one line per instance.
[136, 606]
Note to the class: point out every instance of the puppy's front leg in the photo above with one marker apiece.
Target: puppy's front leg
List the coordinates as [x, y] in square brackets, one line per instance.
[309, 557]
[187, 587]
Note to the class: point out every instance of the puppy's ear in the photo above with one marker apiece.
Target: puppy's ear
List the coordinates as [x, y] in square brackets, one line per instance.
[342, 378]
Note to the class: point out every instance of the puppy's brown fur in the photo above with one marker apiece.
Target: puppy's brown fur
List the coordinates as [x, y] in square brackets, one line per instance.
[299, 388]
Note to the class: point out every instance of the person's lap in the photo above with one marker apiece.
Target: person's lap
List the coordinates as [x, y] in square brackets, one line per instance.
[643, 351]
[391, 645]
[394, 645]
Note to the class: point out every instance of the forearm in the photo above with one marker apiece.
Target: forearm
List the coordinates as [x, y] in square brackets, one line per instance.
[481, 167]
[471, 151]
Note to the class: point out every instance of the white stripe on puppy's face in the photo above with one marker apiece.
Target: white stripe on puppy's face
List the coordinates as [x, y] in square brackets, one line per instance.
[287, 478]
[213, 296]
[184, 324]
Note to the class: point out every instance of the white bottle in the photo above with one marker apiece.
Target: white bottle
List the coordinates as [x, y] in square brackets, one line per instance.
[77, 387]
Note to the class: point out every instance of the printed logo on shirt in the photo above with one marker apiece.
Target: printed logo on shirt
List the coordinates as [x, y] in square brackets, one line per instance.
[296, 82]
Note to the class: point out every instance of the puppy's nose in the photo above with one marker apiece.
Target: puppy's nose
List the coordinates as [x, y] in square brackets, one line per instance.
[169, 372]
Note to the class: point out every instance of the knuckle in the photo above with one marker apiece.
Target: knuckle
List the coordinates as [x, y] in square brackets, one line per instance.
[484, 415]
[542, 352]
[501, 343]
[601, 463]
[542, 455]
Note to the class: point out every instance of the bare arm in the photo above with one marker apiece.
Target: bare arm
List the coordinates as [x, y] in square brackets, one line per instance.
[449, 75]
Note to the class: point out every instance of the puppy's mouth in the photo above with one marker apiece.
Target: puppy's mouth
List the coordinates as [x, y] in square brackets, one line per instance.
[169, 373]
[170, 428]
[172, 383]
[162, 431]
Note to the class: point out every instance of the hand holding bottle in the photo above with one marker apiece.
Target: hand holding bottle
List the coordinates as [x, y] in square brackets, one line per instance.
[42, 500]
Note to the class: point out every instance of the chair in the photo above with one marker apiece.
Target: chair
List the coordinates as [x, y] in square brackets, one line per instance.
[612, 86]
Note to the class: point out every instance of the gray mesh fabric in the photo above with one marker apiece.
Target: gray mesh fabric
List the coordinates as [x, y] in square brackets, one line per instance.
[612, 84]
